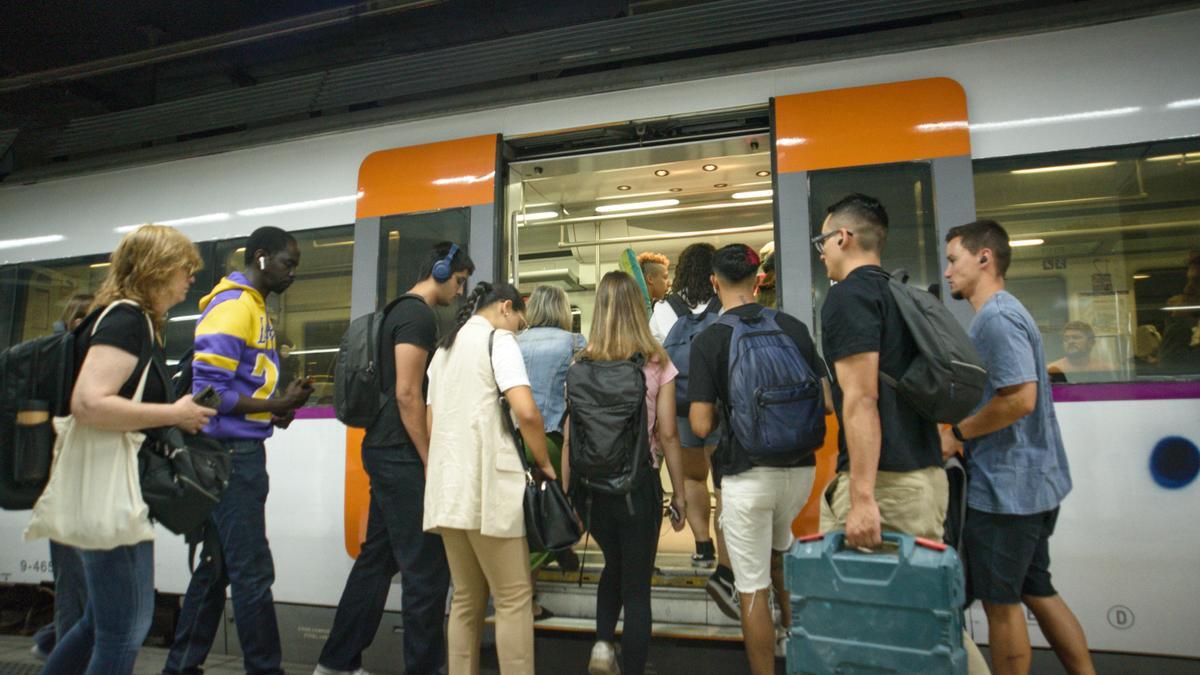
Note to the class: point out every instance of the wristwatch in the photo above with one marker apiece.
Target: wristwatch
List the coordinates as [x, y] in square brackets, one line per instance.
[958, 433]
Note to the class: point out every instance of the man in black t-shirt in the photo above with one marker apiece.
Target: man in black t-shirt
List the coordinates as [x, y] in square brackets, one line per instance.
[394, 453]
[759, 503]
[890, 472]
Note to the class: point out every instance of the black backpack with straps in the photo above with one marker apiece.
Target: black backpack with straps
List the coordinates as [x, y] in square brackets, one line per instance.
[678, 343]
[609, 442]
[358, 394]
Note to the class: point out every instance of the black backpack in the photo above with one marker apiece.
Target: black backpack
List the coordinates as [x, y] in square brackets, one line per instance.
[946, 380]
[776, 406]
[358, 395]
[36, 379]
[678, 343]
[610, 445]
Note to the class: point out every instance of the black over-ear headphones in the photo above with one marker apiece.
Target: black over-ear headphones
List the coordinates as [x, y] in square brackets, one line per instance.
[441, 269]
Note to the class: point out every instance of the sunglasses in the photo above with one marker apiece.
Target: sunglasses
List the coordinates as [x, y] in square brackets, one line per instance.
[818, 241]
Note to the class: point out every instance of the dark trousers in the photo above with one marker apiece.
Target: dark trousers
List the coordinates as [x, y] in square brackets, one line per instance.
[629, 542]
[245, 564]
[395, 543]
[70, 595]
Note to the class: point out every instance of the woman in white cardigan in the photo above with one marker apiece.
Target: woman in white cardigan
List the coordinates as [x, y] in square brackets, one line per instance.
[475, 483]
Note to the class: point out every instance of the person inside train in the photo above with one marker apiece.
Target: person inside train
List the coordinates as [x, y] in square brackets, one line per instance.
[154, 266]
[655, 270]
[476, 485]
[548, 347]
[395, 454]
[766, 293]
[1082, 363]
[1015, 458]
[1181, 332]
[70, 591]
[235, 354]
[759, 502]
[626, 526]
[889, 467]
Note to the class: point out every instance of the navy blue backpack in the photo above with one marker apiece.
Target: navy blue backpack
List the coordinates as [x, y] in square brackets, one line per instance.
[678, 343]
[776, 407]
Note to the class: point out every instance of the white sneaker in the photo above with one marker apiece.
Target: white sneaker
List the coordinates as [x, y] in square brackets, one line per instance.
[604, 659]
[322, 670]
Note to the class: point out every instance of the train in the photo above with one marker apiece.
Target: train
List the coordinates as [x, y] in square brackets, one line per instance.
[1084, 143]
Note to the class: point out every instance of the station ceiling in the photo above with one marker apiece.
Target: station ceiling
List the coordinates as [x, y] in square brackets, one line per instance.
[86, 84]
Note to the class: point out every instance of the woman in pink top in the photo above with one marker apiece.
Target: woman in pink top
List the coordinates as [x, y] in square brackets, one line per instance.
[627, 529]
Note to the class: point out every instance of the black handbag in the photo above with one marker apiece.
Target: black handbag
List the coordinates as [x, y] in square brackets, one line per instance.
[551, 524]
[182, 475]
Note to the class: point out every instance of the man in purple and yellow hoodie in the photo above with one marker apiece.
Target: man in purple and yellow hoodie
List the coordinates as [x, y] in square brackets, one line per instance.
[235, 353]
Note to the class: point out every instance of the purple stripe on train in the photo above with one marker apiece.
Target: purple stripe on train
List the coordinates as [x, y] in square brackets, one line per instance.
[1125, 391]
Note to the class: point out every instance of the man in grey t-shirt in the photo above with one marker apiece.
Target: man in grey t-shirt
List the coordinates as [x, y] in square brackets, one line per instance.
[1015, 459]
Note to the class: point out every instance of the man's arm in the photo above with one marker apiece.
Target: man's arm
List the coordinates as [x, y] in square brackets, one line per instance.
[702, 418]
[1008, 406]
[858, 376]
[410, 375]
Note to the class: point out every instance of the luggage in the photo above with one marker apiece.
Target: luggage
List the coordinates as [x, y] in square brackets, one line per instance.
[946, 380]
[678, 343]
[610, 445]
[879, 612]
[777, 407]
[358, 395]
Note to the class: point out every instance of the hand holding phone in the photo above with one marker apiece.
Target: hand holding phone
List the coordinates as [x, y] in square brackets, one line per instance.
[207, 397]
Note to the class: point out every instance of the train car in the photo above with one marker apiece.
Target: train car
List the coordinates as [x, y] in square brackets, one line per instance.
[1084, 143]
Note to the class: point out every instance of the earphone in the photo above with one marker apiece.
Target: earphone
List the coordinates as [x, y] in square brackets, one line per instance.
[983, 260]
[262, 263]
[441, 269]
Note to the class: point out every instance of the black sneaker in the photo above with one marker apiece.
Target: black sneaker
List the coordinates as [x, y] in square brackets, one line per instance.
[723, 593]
[704, 560]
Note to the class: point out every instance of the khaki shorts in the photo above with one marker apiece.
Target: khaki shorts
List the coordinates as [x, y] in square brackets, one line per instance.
[912, 502]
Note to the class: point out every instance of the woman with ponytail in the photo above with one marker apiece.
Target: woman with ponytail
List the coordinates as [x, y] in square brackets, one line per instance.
[476, 481]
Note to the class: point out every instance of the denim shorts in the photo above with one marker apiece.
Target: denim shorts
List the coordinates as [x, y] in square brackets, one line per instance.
[687, 439]
[1008, 556]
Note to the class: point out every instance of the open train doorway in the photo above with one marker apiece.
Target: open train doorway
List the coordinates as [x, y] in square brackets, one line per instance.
[570, 218]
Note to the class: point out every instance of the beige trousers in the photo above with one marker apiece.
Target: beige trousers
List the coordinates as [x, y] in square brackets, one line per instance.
[478, 565]
[912, 502]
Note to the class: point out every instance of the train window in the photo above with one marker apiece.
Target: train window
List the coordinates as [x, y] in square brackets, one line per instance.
[906, 191]
[1107, 257]
[39, 292]
[406, 242]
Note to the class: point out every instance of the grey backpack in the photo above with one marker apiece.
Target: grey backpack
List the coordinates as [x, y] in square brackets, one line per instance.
[945, 381]
[358, 395]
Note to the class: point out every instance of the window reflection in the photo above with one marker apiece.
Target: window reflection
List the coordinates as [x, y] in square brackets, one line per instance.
[407, 240]
[1114, 284]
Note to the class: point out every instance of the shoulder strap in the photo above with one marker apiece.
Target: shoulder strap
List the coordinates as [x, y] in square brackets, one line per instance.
[504, 411]
[677, 304]
[714, 305]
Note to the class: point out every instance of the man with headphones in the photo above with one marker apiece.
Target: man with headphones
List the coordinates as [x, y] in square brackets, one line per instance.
[394, 452]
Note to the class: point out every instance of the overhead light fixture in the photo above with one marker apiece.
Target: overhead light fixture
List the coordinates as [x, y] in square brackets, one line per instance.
[536, 215]
[184, 317]
[623, 188]
[676, 189]
[177, 222]
[300, 206]
[1140, 277]
[1018, 243]
[637, 206]
[753, 194]
[30, 241]
[1064, 167]
[709, 167]
[1186, 103]
[639, 194]
[662, 172]
[1189, 157]
[100, 265]
[1181, 308]
[760, 174]
[332, 244]
[720, 185]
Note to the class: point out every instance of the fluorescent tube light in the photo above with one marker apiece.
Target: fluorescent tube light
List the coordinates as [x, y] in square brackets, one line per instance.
[635, 206]
[1181, 308]
[536, 215]
[1186, 103]
[184, 317]
[301, 352]
[1017, 243]
[1065, 167]
[753, 194]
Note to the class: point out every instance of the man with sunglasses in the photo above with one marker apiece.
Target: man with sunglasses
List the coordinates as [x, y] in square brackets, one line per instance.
[394, 453]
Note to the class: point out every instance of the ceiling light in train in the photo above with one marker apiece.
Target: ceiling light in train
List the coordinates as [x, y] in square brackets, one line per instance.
[1186, 103]
[760, 174]
[536, 215]
[302, 352]
[709, 167]
[185, 317]
[662, 172]
[639, 194]
[100, 265]
[1064, 167]
[1018, 243]
[34, 241]
[300, 206]
[676, 189]
[720, 185]
[636, 206]
[1140, 277]
[753, 194]
[1181, 308]
[624, 188]
[1186, 157]
[177, 222]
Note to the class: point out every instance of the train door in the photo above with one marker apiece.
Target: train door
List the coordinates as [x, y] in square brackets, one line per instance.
[412, 198]
[904, 143]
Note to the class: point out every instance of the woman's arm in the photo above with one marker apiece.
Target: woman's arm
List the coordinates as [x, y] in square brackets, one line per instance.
[96, 400]
[668, 440]
[520, 399]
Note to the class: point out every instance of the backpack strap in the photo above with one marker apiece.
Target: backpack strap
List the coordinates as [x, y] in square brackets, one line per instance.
[681, 308]
[375, 339]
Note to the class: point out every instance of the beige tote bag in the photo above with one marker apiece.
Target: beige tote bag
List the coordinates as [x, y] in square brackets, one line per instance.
[93, 500]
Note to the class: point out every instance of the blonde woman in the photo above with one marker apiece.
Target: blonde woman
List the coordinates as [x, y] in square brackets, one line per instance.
[626, 527]
[476, 482]
[153, 266]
